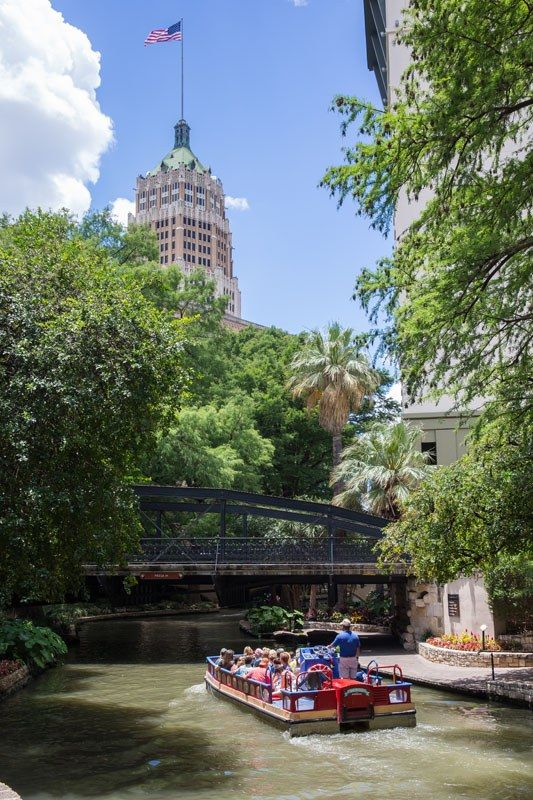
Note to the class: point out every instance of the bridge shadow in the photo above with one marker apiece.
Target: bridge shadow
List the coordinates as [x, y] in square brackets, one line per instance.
[61, 746]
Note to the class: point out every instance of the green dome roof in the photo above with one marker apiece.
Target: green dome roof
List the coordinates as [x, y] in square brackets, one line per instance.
[181, 154]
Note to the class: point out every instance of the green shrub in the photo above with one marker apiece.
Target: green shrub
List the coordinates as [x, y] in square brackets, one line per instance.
[67, 613]
[271, 618]
[23, 641]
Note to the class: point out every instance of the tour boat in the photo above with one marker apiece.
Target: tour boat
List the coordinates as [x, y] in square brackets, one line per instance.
[339, 705]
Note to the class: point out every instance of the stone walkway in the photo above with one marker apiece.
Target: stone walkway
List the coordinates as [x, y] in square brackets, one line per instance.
[7, 794]
[509, 684]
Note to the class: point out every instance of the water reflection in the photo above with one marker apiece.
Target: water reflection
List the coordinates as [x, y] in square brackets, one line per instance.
[129, 717]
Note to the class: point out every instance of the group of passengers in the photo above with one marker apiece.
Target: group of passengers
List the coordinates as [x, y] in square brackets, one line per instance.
[263, 664]
[280, 668]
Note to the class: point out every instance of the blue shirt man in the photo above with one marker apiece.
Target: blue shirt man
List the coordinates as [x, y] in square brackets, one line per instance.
[349, 649]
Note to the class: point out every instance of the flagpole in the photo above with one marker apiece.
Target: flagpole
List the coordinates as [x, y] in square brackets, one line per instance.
[182, 45]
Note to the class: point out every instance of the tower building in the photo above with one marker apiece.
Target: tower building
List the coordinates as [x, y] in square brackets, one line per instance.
[184, 204]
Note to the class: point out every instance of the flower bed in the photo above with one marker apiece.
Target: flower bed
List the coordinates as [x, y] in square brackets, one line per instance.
[466, 641]
[470, 658]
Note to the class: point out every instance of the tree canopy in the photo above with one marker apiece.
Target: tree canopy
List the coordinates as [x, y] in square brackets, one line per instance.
[470, 515]
[88, 367]
[331, 373]
[380, 468]
[209, 446]
[456, 137]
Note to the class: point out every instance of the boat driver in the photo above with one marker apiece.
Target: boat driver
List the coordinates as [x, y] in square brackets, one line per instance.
[349, 649]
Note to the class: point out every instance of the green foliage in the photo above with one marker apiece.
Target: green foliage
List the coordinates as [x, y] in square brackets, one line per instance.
[67, 613]
[23, 641]
[472, 514]
[272, 618]
[331, 373]
[211, 446]
[380, 469]
[459, 127]
[136, 244]
[509, 586]
[87, 369]
[257, 367]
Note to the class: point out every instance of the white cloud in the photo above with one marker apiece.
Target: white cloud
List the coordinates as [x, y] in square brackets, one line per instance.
[120, 208]
[237, 203]
[53, 132]
[395, 392]
[300, 3]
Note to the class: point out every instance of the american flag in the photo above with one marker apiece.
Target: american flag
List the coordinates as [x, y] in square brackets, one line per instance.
[172, 34]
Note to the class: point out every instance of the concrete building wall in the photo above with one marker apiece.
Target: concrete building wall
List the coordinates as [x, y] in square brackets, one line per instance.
[473, 607]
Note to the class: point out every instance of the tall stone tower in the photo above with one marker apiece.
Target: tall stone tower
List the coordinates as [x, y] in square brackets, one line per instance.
[184, 204]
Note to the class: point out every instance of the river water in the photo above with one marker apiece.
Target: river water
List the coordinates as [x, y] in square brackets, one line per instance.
[128, 718]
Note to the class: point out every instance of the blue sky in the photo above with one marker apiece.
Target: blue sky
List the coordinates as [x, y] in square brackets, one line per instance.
[260, 77]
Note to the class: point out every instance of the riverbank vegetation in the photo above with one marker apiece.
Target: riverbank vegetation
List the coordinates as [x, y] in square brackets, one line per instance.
[23, 642]
[114, 371]
[452, 305]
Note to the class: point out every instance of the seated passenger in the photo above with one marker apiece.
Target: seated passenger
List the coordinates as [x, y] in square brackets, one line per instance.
[285, 658]
[237, 662]
[245, 668]
[221, 656]
[295, 662]
[276, 670]
[258, 655]
[313, 682]
[248, 651]
[260, 673]
[226, 661]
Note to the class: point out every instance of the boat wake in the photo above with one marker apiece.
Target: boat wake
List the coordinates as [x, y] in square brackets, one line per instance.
[195, 690]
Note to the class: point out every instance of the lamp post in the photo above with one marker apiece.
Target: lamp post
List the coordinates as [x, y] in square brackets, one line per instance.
[483, 628]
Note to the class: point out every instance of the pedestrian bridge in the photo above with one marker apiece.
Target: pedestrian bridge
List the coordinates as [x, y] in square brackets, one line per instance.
[222, 532]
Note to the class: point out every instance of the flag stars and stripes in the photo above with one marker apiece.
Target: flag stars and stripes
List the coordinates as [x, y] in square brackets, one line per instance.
[171, 34]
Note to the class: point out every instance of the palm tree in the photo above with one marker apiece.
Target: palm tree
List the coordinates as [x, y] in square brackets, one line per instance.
[330, 372]
[380, 469]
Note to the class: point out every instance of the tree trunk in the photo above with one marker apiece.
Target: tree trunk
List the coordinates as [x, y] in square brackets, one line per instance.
[336, 447]
[313, 591]
[337, 489]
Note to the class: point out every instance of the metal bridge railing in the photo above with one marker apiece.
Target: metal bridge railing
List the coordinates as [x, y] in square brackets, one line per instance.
[233, 550]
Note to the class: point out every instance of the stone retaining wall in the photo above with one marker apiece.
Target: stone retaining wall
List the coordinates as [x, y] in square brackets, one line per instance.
[356, 627]
[12, 683]
[465, 658]
[517, 692]
[525, 640]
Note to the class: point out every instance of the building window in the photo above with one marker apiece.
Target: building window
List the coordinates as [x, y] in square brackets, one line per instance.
[142, 201]
[175, 192]
[164, 195]
[153, 198]
[188, 193]
[200, 196]
[431, 449]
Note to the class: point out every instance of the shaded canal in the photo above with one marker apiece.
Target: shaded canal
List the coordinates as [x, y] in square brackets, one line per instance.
[128, 718]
